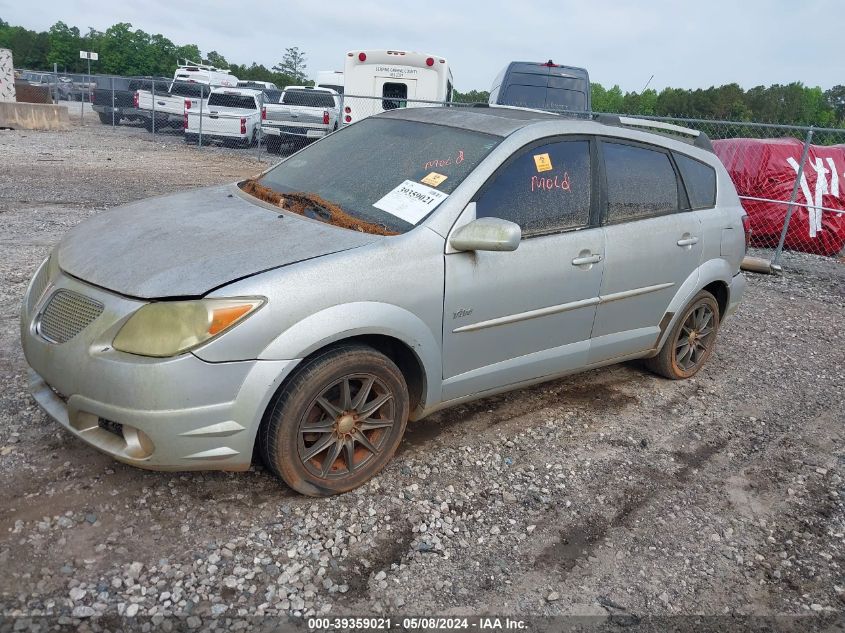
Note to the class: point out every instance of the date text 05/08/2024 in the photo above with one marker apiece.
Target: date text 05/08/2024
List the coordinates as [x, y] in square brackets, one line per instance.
[409, 623]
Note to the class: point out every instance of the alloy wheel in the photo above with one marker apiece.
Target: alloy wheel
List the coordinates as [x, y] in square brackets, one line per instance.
[346, 426]
[695, 337]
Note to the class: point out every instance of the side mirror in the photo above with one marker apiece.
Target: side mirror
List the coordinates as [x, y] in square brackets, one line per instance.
[487, 234]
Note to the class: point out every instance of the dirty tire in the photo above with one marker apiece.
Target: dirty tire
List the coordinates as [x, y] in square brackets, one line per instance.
[106, 119]
[321, 421]
[676, 360]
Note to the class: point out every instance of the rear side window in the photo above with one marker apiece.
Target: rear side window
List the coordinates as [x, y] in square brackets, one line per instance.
[223, 100]
[309, 98]
[544, 190]
[640, 182]
[700, 181]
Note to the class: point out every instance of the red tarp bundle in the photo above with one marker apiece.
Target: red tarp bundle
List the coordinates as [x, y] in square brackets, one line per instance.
[767, 168]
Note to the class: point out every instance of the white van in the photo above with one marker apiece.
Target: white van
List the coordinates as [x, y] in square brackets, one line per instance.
[331, 79]
[375, 81]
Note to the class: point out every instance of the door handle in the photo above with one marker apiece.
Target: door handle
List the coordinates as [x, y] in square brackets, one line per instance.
[688, 241]
[585, 260]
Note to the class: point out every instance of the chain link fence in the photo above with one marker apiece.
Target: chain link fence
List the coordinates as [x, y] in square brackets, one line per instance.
[791, 179]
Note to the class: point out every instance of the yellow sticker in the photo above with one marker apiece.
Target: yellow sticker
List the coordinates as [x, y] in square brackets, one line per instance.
[543, 162]
[434, 179]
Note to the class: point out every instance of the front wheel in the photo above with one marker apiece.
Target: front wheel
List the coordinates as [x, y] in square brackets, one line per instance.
[691, 341]
[337, 421]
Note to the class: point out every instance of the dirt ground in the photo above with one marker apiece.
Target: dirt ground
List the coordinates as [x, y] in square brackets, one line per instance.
[610, 493]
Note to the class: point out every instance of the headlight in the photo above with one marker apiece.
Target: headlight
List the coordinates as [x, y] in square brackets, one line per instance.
[169, 328]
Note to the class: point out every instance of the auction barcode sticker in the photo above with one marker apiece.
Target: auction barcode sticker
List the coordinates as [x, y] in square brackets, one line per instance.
[411, 201]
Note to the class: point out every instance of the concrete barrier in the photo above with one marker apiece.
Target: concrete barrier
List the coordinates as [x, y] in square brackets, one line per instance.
[33, 116]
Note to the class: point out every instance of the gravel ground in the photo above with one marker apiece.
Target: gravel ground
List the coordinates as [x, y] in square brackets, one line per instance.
[612, 492]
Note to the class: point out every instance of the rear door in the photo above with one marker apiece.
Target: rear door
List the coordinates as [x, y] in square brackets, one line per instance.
[653, 244]
[395, 92]
[511, 317]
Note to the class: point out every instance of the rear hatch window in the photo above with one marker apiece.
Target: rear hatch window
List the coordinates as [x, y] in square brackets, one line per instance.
[222, 100]
[192, 90]
[308, 98]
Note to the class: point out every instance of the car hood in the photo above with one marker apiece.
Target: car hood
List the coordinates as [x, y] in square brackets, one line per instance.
[190, 243]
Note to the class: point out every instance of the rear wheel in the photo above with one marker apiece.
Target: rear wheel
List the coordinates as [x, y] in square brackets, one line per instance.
[691, 341]
[337, 421]
[107, 118]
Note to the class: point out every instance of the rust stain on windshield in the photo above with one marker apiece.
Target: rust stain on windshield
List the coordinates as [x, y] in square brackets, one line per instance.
[300, 202]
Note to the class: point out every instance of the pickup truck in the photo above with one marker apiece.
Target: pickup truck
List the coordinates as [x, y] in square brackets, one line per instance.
[167, 105]
[231, 115]
[114, 98]
[303, 114]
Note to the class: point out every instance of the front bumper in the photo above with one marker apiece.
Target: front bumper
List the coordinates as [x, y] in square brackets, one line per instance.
[179, 413]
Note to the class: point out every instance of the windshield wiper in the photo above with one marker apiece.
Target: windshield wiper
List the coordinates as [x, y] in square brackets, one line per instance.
[311, 205]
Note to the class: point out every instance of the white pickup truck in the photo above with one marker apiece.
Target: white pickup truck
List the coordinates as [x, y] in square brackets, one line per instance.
[192, 82]
[231, 115]
[303, 114]
[168, 104]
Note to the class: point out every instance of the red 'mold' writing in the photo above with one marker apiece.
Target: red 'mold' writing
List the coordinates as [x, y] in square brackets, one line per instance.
[445, 162]
[539, 183]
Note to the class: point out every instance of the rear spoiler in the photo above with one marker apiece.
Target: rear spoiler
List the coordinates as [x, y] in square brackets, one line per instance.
[687, 135]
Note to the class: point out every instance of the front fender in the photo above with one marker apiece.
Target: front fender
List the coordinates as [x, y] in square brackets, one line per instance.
[710, 271]
[356, 319]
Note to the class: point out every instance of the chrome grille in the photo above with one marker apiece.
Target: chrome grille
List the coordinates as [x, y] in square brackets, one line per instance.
[66, 314]
[39, 285]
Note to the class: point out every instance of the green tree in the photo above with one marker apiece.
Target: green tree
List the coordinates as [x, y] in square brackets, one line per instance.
[473, 96]
[292, 64]
[65, 44]
[835, 100]
[217, 60]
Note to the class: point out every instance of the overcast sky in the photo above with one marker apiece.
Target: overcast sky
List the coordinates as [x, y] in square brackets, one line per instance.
[683, 44]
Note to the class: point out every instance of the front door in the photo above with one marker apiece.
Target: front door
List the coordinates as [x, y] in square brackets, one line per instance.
[652, 247]
[511, 317]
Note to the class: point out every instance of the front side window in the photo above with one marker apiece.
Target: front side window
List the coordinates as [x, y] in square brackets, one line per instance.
[545, 189]
[640, 182]
[700, 181]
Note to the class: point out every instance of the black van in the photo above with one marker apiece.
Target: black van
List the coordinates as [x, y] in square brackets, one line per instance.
[546, 86]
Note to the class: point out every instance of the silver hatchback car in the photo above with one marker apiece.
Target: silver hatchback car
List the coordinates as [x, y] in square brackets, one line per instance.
[412, 261]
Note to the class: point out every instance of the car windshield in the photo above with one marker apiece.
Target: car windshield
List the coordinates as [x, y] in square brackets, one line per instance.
[379, 175]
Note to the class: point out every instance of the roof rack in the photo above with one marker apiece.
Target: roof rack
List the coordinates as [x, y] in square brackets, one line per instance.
[187, 63]
[688, 135]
